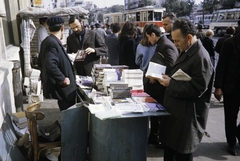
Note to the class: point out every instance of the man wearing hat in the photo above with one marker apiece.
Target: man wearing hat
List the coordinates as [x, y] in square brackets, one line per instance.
[57, 73]
[87, 40]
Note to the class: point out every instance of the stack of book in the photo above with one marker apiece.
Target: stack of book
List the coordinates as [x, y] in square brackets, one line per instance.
[20, 119]
[98, 74]
[119, 90]
[133, 77]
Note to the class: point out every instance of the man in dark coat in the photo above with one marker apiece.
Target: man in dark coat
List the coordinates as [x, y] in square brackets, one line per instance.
[165, 54]
[227, 83]
[57, 72]
[112, 44]
[167, 22]
[187, 95]
[229, 33]
[87, 40]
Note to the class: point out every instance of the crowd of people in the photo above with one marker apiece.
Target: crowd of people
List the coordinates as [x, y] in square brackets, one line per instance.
[182, 49]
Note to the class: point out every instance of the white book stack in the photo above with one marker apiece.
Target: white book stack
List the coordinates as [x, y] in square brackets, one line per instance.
[133, 77]
[110, 75]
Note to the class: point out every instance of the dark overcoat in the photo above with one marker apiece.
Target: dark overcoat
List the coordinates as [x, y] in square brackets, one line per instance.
[227, 71]
[55, 65]
[188, 101]
[166, 54]
[91, 39]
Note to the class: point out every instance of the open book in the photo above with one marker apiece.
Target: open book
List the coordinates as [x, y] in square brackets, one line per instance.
[155, 70]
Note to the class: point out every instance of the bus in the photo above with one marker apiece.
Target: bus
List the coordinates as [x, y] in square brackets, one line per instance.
[222, 19]
[199, 20]
[140, 16]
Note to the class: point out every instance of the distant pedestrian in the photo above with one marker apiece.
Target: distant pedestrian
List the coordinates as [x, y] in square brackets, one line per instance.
[168, 21]
[101, 32]
[208, 43]
[108, 29]
[229, 33]
[42, 32]
[200, 33]
[113, 45]
[128, 44]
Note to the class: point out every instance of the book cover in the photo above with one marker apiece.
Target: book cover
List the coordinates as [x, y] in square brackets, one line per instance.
[154, 107]
[19, 117]
[21, 125]
[144, 99]
[108, 114]
[120, 95]
[125, 108]
[95, 108]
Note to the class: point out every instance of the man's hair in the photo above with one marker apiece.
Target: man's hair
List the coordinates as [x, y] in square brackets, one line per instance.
[116, 27]
[209, 32]
[152, 28]
[239, 22]
[54, 28]
[172, 17]
[144, 40]
[73, 18]
[230, 30]
[186, 26]
[42, 20]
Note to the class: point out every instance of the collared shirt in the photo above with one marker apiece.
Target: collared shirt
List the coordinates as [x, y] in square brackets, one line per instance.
[80, 38]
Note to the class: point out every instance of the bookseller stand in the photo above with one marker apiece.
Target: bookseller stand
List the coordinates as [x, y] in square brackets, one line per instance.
[122, 138]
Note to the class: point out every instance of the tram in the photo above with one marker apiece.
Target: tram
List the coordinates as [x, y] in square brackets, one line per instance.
[140, 16]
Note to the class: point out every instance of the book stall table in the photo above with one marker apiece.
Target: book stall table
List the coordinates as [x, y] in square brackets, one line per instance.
[122, 138]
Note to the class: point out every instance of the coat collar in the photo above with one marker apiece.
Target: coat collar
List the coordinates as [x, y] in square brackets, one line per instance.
[189, 52]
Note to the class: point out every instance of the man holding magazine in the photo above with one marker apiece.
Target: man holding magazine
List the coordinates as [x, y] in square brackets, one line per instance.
[187, 95]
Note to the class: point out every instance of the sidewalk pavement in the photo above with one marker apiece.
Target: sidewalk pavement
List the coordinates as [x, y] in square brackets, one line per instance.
[213, 148]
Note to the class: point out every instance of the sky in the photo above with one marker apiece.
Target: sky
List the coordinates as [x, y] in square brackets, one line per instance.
[109, 3]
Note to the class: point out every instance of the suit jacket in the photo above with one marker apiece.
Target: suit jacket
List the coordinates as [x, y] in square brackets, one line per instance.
[165, 54]
[113, 49]
[55, 65]
[91, 39]
[209, 45]
[220, 43]
[228, 67]
[188, 101]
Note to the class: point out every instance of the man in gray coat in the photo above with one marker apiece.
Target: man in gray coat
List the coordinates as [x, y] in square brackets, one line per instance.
[187, 95]
[87, 40]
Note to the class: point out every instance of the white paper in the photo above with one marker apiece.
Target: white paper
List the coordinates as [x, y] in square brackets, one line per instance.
[155, 70]
[181, 75]
[95, 108]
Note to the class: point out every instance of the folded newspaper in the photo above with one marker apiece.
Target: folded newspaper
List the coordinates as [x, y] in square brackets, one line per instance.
[181, 76]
